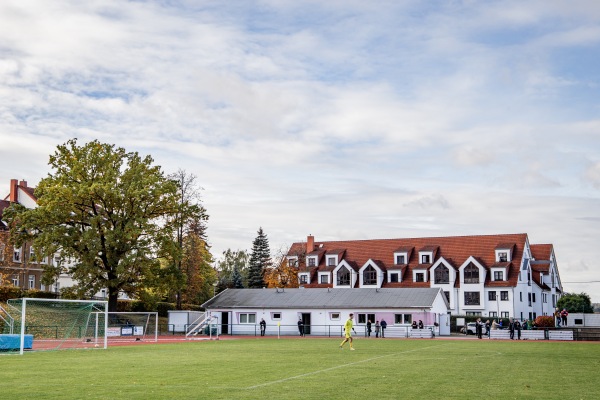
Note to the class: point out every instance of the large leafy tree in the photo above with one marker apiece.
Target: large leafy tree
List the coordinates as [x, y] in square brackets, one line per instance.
[260, 260]
[191, 252]
[576, 303]
[107, 210]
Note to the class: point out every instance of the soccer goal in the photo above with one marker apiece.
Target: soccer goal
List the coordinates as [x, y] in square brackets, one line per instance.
[136, 326]
[47, 324]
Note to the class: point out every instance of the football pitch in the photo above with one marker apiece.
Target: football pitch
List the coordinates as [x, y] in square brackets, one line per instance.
[309, 368]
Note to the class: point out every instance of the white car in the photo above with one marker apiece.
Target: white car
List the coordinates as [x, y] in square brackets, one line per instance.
[471, 329]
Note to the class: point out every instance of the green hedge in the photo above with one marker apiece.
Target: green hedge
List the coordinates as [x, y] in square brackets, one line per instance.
[11, 292]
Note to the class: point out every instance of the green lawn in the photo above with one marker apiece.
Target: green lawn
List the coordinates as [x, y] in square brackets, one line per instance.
[309, 369]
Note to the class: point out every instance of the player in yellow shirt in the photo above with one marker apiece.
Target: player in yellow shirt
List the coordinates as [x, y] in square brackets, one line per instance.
[348, 328]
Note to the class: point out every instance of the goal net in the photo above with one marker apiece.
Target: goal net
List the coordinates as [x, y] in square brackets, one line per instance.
[46, 324]
[132, 326]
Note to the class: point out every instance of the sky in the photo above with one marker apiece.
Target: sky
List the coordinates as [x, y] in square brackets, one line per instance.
[345, 119]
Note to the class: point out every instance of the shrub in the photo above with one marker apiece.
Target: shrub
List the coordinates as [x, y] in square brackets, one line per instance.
[544, 321]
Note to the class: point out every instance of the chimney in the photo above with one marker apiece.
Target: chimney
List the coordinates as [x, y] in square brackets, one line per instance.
[23, 183]
[310, 243]
[14, 191]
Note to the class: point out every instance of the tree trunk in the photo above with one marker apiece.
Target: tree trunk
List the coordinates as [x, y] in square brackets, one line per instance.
[113, 296]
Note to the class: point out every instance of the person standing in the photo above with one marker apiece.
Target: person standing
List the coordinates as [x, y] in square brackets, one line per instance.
[487, 328]
[263, 327]
[518, 329]
[478, 328]
[377, 328]
[421, 326]
[383, 326]
[563, 316]
[348, 328]
[511, 329]
[301, 327]
[368, 328]
[557, 317]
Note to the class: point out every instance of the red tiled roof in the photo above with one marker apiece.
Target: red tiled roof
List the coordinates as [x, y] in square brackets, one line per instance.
[541, 251]
[455, 248]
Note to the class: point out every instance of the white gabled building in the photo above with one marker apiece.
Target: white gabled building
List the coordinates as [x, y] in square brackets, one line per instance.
[324, 311]
[489, 275]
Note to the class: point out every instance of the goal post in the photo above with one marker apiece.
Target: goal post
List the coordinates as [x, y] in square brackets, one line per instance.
[49, 324]
[136, 326]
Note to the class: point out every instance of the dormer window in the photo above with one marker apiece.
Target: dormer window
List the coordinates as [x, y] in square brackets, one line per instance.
[471, 274]
[331, 261]
[292, 261]
[17, 254]
[343, 277]
[425, 259]
[504, 253]
[370, 276]
[503, 256]
[498, 275]
[400, 259]
[311, 261]
[420, 277]
[303, 279]
[442, 275]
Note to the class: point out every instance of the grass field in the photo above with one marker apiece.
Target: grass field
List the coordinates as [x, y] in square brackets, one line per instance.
[310, 369]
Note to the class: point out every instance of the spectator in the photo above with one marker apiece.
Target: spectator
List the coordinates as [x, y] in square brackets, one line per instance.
[478, 328]
[511, 328]
[263, 327]
[301, 327]
[420, 324]
[494, 325]
[369, 328]
[377, 327]
[518, 329]
[557, 317]
[563, 316]
[383, 326]
[414, 325]
[487, 328]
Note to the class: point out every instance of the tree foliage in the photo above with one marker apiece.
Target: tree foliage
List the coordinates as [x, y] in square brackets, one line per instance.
[107, 209]
[576, 303]
[281, 275]
[233, 269]
[260, 260]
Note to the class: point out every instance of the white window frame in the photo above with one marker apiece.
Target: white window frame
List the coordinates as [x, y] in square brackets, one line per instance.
[292, 261]
[31, 281]
[331, 261]
[401, 254]
[15, 280]
[17, 254]
[306, 277]
[390, 274]
[503, 251]
[428, 254]
[312, 259]
[245, 318]
[498, 270]
[420, 271]
[335, 316]
[326, 276]
[276, 315]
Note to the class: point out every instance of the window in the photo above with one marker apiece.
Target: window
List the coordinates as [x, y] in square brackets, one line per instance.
[471, 274]
[15, 280]
[533, 297]
[343, 277]
[472, 299]
[32, 254]
[544, 298]
[311, 261]
[31, 281]
[400, 259]
[402, 319]
[335, 316]
[331, 261]
[503, 256]
[370, 276]
[498, 275]
[504, 295]
[276, 315]
[419, 277]
[303, 279]
[17, 255]
[492, 296]
[362, 318]
[504, 314]
[324, 278]
[247, 318]
[394, 277]
[442, 274]
[521, 296]
[493, 314]
[292, 262]
[425, 259]
[472, 313]
[447, 296]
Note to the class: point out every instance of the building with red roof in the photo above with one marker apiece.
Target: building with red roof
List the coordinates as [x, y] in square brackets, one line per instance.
[488, 275]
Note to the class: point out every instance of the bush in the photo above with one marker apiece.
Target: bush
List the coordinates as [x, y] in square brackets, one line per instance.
[544, 321]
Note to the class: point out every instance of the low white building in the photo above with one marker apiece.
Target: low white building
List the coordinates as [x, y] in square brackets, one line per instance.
[323, 312]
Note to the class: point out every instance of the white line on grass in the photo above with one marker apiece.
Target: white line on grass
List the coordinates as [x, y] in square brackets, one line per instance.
[338, 367]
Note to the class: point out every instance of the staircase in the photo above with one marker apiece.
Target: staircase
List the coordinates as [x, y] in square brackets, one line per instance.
[199, 324]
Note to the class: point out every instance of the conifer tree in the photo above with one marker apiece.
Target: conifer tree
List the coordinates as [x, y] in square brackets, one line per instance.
[260, 259]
